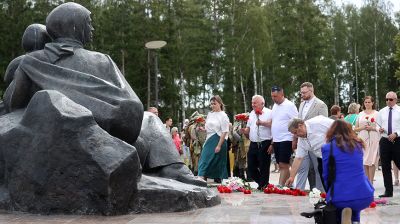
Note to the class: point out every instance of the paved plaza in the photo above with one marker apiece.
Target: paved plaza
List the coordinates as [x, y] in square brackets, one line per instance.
[235, 208]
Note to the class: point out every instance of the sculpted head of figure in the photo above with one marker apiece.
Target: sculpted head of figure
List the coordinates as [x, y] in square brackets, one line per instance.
[35, 37]
[70, 20]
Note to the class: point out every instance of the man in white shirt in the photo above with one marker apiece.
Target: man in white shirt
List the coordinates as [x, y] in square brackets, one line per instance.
[259, 131]
[282, 112]
[311, 136]
[310, 107]
[388, 121]
[168, 124]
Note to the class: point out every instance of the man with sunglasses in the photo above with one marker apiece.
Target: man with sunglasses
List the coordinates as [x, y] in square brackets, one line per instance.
[388, 121]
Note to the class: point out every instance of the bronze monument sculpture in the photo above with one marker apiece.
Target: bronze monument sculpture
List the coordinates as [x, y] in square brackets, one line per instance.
[76, 138]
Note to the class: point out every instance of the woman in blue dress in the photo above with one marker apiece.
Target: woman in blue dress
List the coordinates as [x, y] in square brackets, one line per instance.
[213, 157]
[352, 190]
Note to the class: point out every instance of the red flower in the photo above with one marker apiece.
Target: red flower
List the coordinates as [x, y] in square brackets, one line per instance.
[247, 191]
[223, 189]
[227, 190]
[372, 120]
[200, 120]
[270, 186]
[372, 205]
[366, 117]
[323, 195]
[258, 112]
[242, 117]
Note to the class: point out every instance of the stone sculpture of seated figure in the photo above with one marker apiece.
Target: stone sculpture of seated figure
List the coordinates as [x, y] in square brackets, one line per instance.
[92, 80]
[33, 39]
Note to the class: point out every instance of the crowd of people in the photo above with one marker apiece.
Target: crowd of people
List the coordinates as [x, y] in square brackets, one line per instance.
[301, 142]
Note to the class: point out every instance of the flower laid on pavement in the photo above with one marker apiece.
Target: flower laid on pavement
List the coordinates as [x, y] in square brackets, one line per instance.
[223, 189]
[381, 202]
[272, 189]
[316, 196]
[233, 184]
[372, 205]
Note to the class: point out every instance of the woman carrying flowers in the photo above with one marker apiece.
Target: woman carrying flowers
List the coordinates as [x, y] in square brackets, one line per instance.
[213, 158]
[366, 128]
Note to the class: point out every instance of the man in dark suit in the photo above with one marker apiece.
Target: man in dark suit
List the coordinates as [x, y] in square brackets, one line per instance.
[310, 107]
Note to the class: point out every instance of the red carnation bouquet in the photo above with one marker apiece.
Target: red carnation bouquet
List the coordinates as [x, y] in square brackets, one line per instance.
[242, 119]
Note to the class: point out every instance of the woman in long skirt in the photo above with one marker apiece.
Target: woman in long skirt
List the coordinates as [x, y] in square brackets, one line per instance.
[213, 157]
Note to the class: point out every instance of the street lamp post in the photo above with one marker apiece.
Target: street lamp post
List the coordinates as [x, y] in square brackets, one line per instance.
[153, 45]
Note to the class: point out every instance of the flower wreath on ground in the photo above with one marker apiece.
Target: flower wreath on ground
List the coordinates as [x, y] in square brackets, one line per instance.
[237, 184]
[272, 189]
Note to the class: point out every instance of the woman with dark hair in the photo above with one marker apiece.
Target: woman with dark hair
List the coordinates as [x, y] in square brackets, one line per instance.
[352, 190]
[213, 157]
[366, 128]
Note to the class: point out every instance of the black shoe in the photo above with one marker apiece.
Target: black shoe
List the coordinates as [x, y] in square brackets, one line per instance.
[311, 214]
[386, 195]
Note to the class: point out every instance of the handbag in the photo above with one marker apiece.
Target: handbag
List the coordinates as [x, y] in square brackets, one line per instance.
[329, 211]
[325, 213]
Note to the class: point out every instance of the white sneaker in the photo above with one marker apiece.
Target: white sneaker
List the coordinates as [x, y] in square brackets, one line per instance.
[346, 216]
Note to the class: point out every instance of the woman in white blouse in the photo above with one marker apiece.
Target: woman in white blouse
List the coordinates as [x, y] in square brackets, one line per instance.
[213, 157]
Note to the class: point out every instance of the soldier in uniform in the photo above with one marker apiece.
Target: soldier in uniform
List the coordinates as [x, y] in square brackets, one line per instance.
[240, 147]
[198, 137]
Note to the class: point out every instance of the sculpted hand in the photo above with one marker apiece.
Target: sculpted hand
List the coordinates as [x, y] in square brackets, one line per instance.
[217, 149]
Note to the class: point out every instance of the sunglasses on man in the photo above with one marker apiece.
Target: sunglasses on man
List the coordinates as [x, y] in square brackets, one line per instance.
[389, 99]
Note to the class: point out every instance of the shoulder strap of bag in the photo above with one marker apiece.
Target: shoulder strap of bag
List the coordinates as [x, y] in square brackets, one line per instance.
[331, 171]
